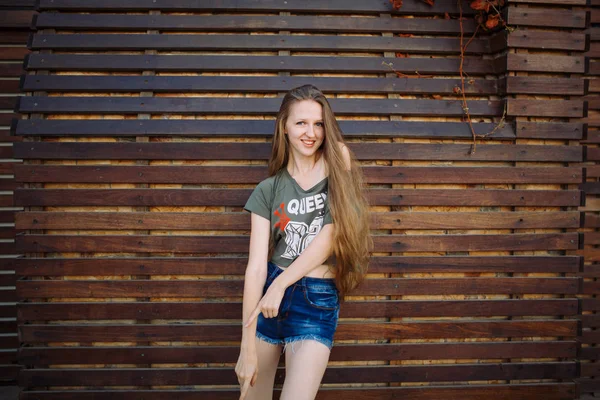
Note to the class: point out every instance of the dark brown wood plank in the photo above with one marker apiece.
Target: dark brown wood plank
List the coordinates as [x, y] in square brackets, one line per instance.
[549, 130]
[9, 86]
[351, 309]
[11, 69]
[262, 84]
[253, 106]
[15, 36]
[549, 391]
[246, 128]
[248, 174]
[40, 356]
[333, 374]
[230, 288]
[8, 279]
[333, 6]
[11, 19]
[253, 23]
[262, 151]
[238, 197]
[547, 108]
[546, 17]
[239, 244]
[535, 85]
[8, 296]
[236, 265]
[217, 42]
[7, 311]
[231, 221]
[8, 374]
[231, 63]
[8, 326]
[522, 38]
[13, 53]
[545, 63]
[35, 333]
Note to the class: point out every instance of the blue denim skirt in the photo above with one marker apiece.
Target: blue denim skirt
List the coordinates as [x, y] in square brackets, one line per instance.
[309, 310]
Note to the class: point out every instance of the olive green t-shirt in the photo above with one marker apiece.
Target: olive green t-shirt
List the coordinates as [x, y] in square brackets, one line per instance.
[296, 215]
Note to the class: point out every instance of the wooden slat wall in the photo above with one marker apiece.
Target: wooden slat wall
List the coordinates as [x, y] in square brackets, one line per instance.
[589, 354]
[145, 135]
[15, 23]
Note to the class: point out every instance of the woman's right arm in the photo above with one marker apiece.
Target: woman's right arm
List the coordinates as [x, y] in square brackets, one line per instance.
[255, 278]
[256, 275]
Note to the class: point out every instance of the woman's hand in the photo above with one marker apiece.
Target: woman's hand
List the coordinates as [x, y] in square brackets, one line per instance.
[269, 304]
[246, 370]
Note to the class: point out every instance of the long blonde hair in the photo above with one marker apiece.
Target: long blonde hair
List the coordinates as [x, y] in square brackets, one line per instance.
[348, 204]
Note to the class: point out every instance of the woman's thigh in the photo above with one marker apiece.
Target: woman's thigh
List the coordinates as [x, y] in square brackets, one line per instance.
[305, 364]
[268, 359]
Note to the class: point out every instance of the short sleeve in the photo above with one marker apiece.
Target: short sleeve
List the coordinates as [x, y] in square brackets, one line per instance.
[260, 200]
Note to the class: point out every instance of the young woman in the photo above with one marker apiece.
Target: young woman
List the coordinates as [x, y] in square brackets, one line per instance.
[312, 205]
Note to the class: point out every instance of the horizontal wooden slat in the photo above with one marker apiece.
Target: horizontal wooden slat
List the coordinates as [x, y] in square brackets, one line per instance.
[239, 244]
[532, 39]
[7, 279]
[8, 295]
[11, 69]
[333, 374]
[8, 311]
[238, 197]
[545, 63]
[263, 84]
[326, 43]
[230, 63]
[229, 288]
[235, 151]
[8, 374]
[35, 333]
[15, 36]
[249, 175]
[11, 19]
[535, 85]
[550, 108]
[12, 53]
[249, 128]
[9, 86]
[546, 17]
[8, 356]
[334, 6]
[252, 106]
[341, 352]
[229, 221]
[254, 23]
[592, 171]
[549, 391]
[236, 265]
[351, 309]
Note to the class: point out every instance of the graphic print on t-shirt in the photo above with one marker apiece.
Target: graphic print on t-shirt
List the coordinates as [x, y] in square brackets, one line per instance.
[297, 234]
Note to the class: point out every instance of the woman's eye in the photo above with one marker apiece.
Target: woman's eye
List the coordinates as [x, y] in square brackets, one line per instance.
[320, 124]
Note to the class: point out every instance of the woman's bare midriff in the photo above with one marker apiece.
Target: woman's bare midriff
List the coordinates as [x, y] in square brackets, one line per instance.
[322, 271]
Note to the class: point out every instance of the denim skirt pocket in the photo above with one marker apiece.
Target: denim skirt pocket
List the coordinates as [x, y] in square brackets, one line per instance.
[322, 297]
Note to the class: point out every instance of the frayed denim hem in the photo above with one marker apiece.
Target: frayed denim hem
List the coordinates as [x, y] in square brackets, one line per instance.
[320, 339]
[268, 339]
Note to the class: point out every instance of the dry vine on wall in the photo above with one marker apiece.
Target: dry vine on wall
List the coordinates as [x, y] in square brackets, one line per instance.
[488, 18]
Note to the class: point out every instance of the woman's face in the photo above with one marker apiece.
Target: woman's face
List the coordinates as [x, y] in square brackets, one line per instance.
[304, 128]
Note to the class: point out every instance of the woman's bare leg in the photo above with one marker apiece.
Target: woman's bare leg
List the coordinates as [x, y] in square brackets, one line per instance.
[305, 364]
[268, 359]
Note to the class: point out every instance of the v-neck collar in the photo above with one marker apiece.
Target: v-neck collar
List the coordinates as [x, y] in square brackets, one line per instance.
[285, 171]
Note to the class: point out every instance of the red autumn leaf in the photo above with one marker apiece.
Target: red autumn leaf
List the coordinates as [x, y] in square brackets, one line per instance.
[456, 90]
[446, 16]
[480, 5]
[397, 4]
[492, 21]
[401, 55]
[430, 2]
